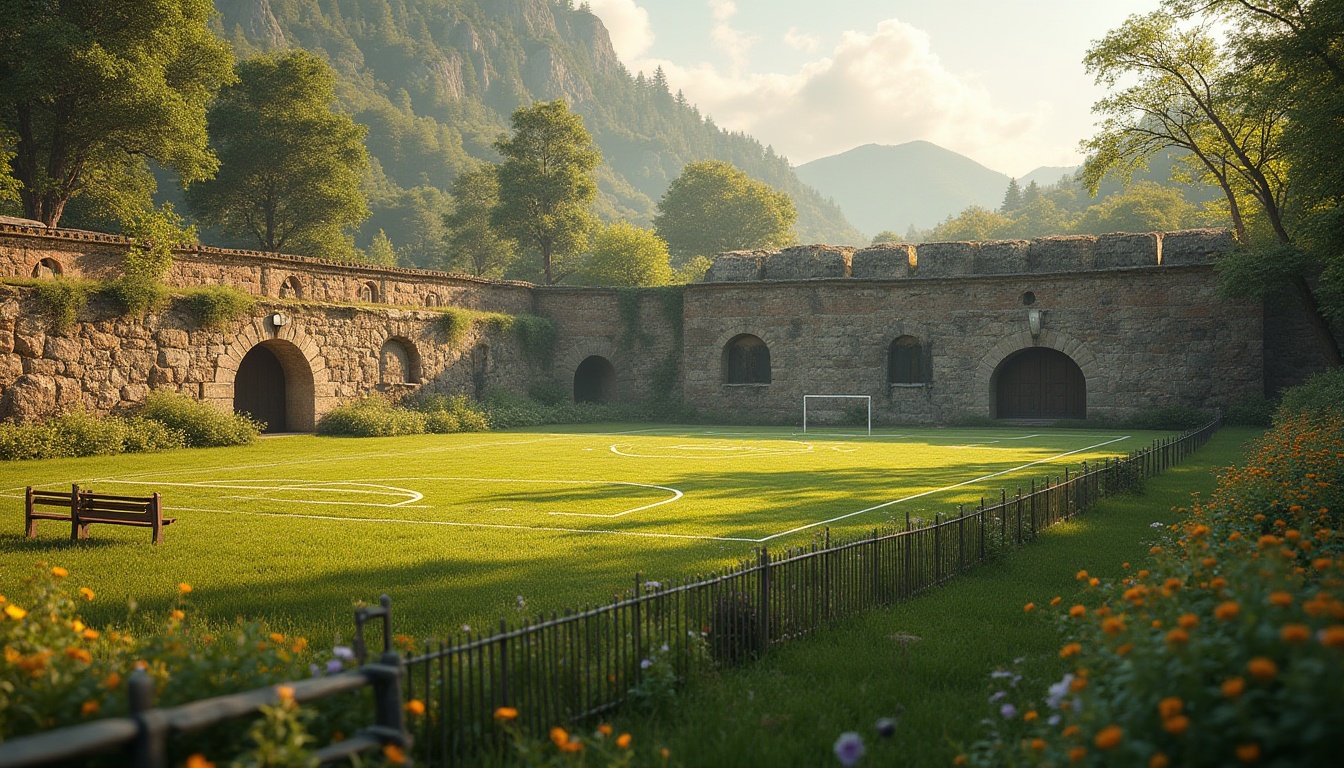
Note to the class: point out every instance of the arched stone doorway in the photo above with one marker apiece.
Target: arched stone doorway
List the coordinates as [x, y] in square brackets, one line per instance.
[274, 384]
[594, 380]
[1039, 383]
[746, 360]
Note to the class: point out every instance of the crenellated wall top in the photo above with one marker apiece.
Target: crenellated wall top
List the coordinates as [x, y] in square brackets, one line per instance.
[895, 261]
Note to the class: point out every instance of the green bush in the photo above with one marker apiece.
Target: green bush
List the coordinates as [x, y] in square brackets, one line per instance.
[1256, 412]
[218, 306]
[445, 414]
[371, 417]
[63, 299]
[136, 296]
[79, 433]
[1175, 417]
[1319, 396]
[203, 425]
[549, 392]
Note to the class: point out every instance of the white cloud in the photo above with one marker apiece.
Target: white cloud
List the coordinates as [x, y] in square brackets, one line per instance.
[628, 24]
[887, 87]
[801, 41]
[733, 43]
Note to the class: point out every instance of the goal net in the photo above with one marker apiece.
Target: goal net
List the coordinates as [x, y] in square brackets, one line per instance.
[831, 411]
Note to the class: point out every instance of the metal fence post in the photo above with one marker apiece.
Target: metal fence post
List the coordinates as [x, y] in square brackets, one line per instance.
[765, 601]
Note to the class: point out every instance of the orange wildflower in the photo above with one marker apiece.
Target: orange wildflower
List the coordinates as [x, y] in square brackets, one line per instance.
[198, 761]
[1333, 636]
[184, 588]
[623, 741]
[1248, 753]
[1070, 731]
[1113, 626]
[1159, 760]
[15, 612]
[604, 729]
[1123, 650]
[1055, 601]
[1178, 636]
[1188, 621]
[1262, 669]
[1176, 725]
[1217, 582]
[506, 713]
[59, 572]
[1081, 575]
[1038, 745]
[1170, 707]
[394, 754]
[559, 736]
[1295, 633]
[1233, 687]
[1077, 753]
[1029, 607]
[1077, 612]
[89, 707]
[1108, 737]
[1227, 611]
[1281, 599]
[415, 707]
[1072, 649]
[1030, 716]
[86, 593]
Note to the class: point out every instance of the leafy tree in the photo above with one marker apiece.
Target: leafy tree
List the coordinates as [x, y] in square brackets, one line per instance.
[90, 89]
[473, 244]
[1187, 91]
[974, 223]
[381, 251]
[290, 166]
[712, 207]
[1142, 207]
[623, 254]
[546, 185]
[887, 236]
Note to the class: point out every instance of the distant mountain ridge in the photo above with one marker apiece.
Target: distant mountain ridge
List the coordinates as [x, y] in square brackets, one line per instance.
[895, 187]
[436, 80]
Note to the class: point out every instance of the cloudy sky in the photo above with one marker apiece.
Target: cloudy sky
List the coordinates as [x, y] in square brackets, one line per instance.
[1000, 81]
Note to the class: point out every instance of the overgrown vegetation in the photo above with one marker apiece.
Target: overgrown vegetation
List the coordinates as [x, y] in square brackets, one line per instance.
[216, 307]
[203, 425]
[61, 299]
[78, 433]
[379, 417]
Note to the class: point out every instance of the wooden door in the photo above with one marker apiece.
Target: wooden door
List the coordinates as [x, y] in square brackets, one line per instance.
[259, 389]
[1041, 383]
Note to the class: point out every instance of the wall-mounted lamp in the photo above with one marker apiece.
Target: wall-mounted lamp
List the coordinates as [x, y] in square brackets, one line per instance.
[1034, 322]
[279, 320]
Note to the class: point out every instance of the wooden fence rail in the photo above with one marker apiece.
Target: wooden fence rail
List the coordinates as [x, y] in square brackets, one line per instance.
[585, 662]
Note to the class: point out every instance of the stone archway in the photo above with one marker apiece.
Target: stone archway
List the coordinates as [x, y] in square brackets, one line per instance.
[594, 380]
[1039, 383]
[274, 384]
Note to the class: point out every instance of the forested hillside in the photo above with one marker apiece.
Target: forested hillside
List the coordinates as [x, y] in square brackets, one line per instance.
[436, 80]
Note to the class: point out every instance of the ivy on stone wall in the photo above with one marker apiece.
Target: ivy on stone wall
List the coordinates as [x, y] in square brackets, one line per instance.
[62, 299]
[536, 335]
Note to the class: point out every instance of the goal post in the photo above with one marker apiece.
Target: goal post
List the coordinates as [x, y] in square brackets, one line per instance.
[867, 401]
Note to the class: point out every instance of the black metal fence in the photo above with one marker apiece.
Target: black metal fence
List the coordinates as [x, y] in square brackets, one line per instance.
[582, 663]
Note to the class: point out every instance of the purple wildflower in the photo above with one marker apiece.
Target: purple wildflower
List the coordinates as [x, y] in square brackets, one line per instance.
[849, 748]
[1008, 711]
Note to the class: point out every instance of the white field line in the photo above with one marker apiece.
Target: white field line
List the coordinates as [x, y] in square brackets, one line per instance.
[725, 452]
[940, 490]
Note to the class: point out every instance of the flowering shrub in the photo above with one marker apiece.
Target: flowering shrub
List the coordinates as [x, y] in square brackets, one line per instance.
[602, 747]
[1229, 650]
[59, 671]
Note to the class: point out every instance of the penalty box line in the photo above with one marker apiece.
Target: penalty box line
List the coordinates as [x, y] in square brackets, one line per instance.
[940, 490]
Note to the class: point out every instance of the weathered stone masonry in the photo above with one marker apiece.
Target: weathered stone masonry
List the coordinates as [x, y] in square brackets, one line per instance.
[933, 332]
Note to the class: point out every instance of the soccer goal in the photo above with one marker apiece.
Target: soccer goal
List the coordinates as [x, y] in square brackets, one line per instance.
[845, 413]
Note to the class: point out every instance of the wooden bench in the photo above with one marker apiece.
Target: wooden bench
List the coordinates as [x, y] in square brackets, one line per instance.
[83, 508]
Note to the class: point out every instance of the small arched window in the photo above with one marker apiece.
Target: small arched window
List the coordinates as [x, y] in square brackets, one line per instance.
[48, 268]
[906, 363]
[746, 360]
[398, 362]
[368, 292]
[431, 299]
[291, 288]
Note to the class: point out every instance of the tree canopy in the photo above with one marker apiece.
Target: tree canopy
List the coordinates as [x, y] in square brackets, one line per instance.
[623, 254]
[546, 184]
[1249, 110]
[473, 244]
[290, 166]
[91, 89]
[712, 207]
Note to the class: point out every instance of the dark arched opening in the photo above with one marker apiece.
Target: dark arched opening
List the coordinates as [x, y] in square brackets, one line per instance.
[48, 268]
[368, 292]
[274, 384]
[746, 360]
[291, 288]
[594, 380]
[1039, 383]
[906, 362]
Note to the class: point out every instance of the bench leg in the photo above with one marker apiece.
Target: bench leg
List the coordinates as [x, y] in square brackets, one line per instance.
[156, 512]
[29, 524]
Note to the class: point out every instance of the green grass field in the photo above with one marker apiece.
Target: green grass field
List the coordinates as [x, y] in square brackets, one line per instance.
[459, 528]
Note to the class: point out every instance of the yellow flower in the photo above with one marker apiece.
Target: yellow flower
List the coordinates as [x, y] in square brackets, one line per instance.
[59, 572]
[1233, 687]
[415, 707]
[15, 612]
[623, 741]
[184, 587]
[78, 654]
[276, 637]
[1108, 737]
[198, 761]
[394, 754]
[1248, 753]
[1262, 669]
[87, 593]
[178, 615]
[506, 713]
[89, 634]
[286, 694]
[77, 625]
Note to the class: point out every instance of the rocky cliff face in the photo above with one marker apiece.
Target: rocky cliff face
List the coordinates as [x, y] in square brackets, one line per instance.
[256, 20]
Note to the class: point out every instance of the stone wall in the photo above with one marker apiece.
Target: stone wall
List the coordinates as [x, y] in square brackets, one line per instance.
[105, 363]
[1143, 337]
